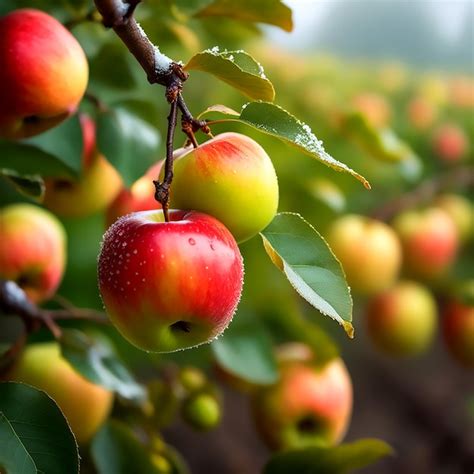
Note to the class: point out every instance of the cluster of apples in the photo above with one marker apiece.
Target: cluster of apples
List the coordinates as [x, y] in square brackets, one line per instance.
[421, 245]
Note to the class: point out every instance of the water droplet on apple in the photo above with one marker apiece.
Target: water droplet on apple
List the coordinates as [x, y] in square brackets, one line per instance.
[192, 241]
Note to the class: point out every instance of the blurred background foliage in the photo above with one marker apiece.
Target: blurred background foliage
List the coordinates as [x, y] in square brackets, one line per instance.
[395, 51]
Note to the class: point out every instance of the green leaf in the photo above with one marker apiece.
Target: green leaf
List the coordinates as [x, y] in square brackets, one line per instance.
[38, 424]
[14, 458]
[336, 460]
[29, 185]
[382, 143]
[246, 351]
[128, 142]
[300, 252]
[236, 68]
[272, 12]
[116, 450]
[96, 360]
[276, 121]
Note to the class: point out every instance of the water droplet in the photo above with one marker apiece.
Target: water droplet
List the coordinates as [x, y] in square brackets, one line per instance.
[192, 241]
[124, 244]
[212, 247]
[135, 251]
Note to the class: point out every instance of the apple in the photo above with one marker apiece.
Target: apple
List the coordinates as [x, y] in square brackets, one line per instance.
[457, 322]
[231, 178]
[450, 142]
[202, 411]
[369, 251]
[32, 249]
[170, 285]
[98, 185]
[402, 320]
[421, 113]
[462, 92]
[429, 241]
[374, 107]
[461, 212]
[43, 73]
[84, 404]
[309, 405]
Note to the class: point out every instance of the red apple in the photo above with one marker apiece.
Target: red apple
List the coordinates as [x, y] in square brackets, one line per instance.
[170, 285]
[43, 73]
[308, 406]
[369, 251]
[32, 249]
[461, 211]
[403, 319]
[230, 177]
[429, 239]
[450, 143]
[458, 331]
[95, 189]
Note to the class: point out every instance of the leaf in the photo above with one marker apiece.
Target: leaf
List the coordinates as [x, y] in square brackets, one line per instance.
[116, 450]
[272, 12]
[236, 68]
[276, 121]
[382, 144]
[12, 452]
[28, 185]
[300, 252]
[336, 460]
[128, 142]
[39, 425]
[246, 351]
[96, 360]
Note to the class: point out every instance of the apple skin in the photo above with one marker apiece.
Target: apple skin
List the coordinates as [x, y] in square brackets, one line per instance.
[450, 143]
[308, 406]
[402, 320]
[230, 177]
[32, 249]
[461, 212]
[369, 251]
[43, 73]
[170, 286]
[96, 188]
[429, 240]
[84, 404]
[457, 320]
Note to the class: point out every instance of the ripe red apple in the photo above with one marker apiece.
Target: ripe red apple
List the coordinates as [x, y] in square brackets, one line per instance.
[170, 285]
[32, 249]
[308, 406]
[402, 320]
[369, 251]
[84, 404]
[461, 212]
[43, 73]
[450, 143]
[429, 240]
[230, 177]
[95, 189]
[457, 321]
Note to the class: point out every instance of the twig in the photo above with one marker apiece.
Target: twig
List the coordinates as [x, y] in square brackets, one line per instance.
[426, 191]
[162, 189]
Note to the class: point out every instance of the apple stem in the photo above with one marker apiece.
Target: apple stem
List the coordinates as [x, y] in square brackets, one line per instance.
[189, 124]
[162, 188]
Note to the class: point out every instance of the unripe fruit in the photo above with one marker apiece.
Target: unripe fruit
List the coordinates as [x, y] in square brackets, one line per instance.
[43, 73]
[458, 331]
[201, 411]
[98, 185]
[402, 320]
[461, 212]
[368, 250]
[231, 178]
[308, 406]
[85, 405]
[429, 240]
[170, 285]
[450, 143]
[32, 249]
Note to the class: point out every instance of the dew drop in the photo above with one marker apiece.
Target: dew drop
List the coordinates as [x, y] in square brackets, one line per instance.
[135, 251]
[192, 241]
